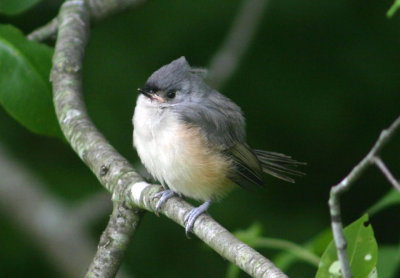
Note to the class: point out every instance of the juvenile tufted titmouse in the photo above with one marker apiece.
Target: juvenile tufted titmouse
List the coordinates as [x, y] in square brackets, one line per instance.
[192, 139]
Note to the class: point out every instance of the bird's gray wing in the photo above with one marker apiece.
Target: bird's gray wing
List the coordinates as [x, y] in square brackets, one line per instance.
[248, 172]
[222, 123]
[279, 165]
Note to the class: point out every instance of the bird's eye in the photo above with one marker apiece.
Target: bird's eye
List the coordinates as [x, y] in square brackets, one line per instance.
[171, 94]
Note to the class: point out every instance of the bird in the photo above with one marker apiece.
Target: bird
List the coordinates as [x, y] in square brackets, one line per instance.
[192, 139]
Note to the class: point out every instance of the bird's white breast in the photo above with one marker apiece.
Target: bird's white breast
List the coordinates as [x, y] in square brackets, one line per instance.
[176, 154]
[152, 132]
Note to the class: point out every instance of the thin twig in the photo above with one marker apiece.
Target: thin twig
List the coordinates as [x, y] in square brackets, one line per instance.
[386, 172]
[227, 59]
[99, 10]
[44, 32]
[113, 171]
[344, 185]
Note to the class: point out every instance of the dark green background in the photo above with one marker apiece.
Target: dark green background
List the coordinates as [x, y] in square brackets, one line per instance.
[319, 82]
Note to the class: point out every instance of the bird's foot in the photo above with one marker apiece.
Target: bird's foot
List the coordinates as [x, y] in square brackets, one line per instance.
[191, 217]
[164, 196]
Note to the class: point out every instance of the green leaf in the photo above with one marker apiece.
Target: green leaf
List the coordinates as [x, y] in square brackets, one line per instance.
[389, 261]
[362, 250]
[390, 199]
[13, 7]
[393, 9]
[25, 90]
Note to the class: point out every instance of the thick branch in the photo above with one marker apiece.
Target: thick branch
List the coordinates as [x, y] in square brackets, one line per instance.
[208, 230]
[114, 241]
[227, 59]
[344, 185]
[72, 37]
[112, 170]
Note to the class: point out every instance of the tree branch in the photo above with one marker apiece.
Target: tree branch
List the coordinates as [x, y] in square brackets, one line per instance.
[114, 241]
[99, 10]
[112, 170]
[227, 59]
[73, 33]
[386, 172]
[44, 32]
[208, 230]
[344, 185]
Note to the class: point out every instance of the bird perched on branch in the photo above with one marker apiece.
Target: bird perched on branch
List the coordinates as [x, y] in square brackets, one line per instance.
[192, 140]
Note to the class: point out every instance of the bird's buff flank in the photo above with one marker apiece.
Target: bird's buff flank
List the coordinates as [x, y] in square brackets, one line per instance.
[192, 140]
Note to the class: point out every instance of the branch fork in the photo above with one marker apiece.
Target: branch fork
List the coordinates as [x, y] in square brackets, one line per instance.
[129, 192]
[372, 158]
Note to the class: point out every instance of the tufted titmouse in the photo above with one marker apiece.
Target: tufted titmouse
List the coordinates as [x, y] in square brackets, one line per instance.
[192, 139]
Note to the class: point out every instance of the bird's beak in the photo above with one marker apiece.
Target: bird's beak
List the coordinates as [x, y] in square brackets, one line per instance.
[151, 94]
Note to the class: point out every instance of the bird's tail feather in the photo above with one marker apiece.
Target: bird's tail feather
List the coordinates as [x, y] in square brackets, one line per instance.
[279, 165]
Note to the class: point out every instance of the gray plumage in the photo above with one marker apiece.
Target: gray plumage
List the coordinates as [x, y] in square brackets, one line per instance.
[220, 120]
[198, 104]
[192, 139]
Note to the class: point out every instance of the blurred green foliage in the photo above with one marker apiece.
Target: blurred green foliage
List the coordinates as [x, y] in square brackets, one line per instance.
[16, 6]
[319, 82]
[388, 260]
[393, 9]
[392, 198]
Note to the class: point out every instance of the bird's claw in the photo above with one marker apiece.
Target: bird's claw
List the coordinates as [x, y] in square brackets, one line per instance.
[192, 216]
[164, 196]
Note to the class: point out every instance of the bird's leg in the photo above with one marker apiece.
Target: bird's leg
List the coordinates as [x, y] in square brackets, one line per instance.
[164, 196]
[191, 217]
